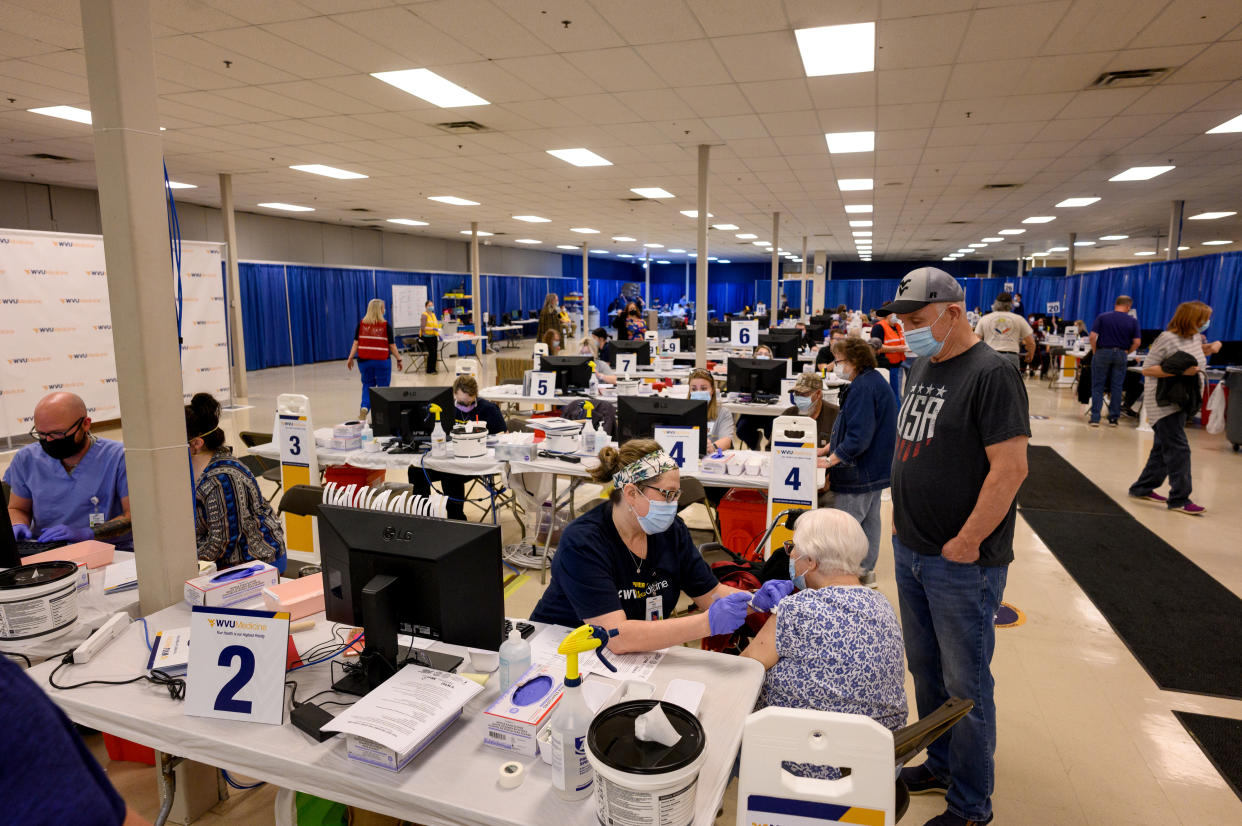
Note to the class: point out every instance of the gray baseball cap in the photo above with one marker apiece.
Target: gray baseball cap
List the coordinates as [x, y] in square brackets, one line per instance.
[926, 285]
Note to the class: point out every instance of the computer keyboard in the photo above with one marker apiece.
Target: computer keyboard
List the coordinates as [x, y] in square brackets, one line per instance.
[27, 547]
[525, 627]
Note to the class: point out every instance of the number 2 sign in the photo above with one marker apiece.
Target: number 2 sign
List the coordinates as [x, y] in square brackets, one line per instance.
[237, 664]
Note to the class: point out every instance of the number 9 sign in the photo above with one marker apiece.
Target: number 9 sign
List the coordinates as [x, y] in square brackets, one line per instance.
[744, 333]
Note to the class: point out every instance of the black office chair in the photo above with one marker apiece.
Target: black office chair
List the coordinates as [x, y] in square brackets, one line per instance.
[261, 467]
[302, 500]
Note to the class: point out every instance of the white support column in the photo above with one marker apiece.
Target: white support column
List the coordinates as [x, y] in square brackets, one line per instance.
[805, 300]
[1175, 230]
[773, 308]
[700, 263]
[1069, 256]
[1021, 260]
[586, 296]
[989, 266]
[476, 294]
[237, 339]
[646, 281]
[120, 71]
[687, 278]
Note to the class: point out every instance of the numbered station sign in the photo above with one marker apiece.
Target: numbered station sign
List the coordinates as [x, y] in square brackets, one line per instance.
[651, 335]
[542, 385]
[682, 446]
[299, 465]
[787, 388]
[670, 346]
[794, 483]
[237, 664]
[627, 363]
[1054, 308]
[744, 333]
[1008, 287]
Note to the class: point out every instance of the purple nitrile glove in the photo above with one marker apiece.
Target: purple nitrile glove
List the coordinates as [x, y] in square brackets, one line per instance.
[727, 613]
[21, 532]
[64, 533]
[771, 592]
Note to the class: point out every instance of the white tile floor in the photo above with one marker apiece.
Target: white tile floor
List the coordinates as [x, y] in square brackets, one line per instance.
[1085, 736]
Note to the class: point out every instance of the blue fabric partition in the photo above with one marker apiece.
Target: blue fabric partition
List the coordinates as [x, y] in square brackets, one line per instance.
[265, 322]
[325, 305]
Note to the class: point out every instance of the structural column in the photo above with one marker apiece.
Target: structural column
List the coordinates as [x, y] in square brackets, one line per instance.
[805, 299]
[700, 263]
[476, 294]
[120, 73]
[586, 295]
[646, 280]
[1021, 260]
[237, 340]
[773, 308]
[1175, 230]
[1069, 256]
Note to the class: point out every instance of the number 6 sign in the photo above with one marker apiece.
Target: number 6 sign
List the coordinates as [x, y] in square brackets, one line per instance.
[744, 334]
[237, 664]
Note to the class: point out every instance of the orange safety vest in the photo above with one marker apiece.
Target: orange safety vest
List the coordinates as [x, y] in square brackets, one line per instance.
[373, 340]
[893, 337]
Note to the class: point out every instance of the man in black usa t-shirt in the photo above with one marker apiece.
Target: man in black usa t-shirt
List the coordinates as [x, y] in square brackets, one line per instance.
[962, 433]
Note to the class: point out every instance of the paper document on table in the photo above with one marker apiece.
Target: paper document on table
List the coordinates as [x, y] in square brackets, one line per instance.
[411, 706]
[639, 665]
[120, 576]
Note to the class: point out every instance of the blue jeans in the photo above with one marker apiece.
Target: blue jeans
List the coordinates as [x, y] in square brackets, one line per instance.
[895, 372]
[375, 373]
[865, 507]
[1108, 371]
[947, 615]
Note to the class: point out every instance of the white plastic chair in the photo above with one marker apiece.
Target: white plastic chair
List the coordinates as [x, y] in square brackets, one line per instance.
[467, 367]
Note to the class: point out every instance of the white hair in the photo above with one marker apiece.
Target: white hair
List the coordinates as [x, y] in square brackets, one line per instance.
[832, 538]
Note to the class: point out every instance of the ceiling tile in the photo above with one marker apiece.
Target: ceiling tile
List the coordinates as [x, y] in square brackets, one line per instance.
[1011, 31]
[1200, 21]
[650, 21]
[616, 70]
[756, 57]
[715, 101]
[550, 75]
[920, 41]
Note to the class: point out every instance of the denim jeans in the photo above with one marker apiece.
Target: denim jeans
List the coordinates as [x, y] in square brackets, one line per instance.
[1108, 371]
[895, 372]
[375, 373]
[947, 615]
[865, 507]
[1169, 457]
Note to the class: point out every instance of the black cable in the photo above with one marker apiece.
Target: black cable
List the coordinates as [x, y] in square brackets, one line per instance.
[15, 654]
[174, 685]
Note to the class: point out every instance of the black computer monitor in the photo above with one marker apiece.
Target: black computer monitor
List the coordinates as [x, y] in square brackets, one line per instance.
[685, 339]
[782, 347]
[719, 329]
[638, 416]
[1146, 337]
[760, 378]
[9, 555]
[389, 573]
[642, 348]
[573, 373]
[405, 412]
[815, 333]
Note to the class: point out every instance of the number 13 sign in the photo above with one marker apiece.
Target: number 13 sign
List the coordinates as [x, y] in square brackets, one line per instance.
[237, 664]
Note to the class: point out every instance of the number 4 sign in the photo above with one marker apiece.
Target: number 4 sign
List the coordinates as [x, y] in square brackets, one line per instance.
[237, 664]
[794, 483]
[682, 446]
[744, 334]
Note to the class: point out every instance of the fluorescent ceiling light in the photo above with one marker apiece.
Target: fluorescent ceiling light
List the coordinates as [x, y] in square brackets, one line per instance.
[1058, 249]
[179, 185]
[694, 255]
[624, 255]
[72, 113]
[678, 251]
[992, 240]
[408, 222]
[482, 233]
[651, 192]
[1113, 237]
[948, 258]
[965, 251]
[654, 246]
[602, 252]
[452, 199]
[1039, 219]
[580, 157]
[837, 50]
[694, 213]
[861, 223]
[566, 247]
[426, 84]
[1147, 252]
[855, 184]
[1215, 243]
[1231, 125]
[1011, 232]
[711, 258]
[725, 227]
[328, 171]
[723, 261]
[662, 261]
[1141, 173]
[1179, 249]
[745, 236]
[1084, 243]
[762, 243]
[584, 230]
[287, 207]
[623, 238]
[1210, 216]
[532, 219]
[1076, 202]
[840, 143]
[976, 246]
[526, 241]
[861, 233]
[857, 208]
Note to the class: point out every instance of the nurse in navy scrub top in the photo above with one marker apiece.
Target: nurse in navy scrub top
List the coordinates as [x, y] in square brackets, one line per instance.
[624, 564]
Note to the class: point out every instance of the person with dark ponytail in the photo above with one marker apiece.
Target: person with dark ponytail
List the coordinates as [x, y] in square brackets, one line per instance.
[233, 523]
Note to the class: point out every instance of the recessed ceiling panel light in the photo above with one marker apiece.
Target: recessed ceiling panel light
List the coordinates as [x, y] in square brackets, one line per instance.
[1011, 232]
[854, 209]
[602, 252]
[1210, 216]
[861, 233]
[694, 255]
[1113, 237]
[725, 227]
[861, 223]
[745, 236]
[992, 240]
[584, 230]
[408, 222]
[1145, 252]
[566, 247]
[426, 84]
[837, 50]
[677, 251]
[711, 258]
[482, 233]
[654, 246]
[694, 213]
[623, 238]
[1084, 243]
[976, 246]
[287, 207]
[651, 192]
[1231, 125]
[948, 258]
[328, 171]
[662, 261]
[452, 199]
[855, 184]
[1216, 243]
[840, 143]
[1076, 202]
[1141, 173]
[1039, 219]
[179, 185]
[1058, 249]
[624, 255]
[965, 251]
[532, 219]
[527, 241]
[762, 243]
[72, 113]
[579, 157]
[724, 261]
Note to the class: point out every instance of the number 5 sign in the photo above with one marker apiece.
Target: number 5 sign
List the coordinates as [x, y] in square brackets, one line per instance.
[682, 446]
[744, 334]
[237, 664]
[542, 385]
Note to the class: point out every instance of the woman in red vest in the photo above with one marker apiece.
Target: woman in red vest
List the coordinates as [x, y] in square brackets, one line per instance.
[373, 344]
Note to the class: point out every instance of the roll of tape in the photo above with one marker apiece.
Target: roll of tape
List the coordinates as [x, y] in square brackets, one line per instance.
[511, 775]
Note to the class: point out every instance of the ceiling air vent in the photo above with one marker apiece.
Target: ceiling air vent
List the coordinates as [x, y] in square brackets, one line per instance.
[957, 222]
[1130, 77]
[359, 209]
[463, 127]
[44, 156]
[1001, 186]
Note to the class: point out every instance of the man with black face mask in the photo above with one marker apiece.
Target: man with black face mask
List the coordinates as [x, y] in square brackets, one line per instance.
[69, 486]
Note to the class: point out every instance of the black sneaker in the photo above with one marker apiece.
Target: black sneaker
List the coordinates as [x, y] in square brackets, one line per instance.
[1112, 422]
[920, 780]
[950, 819]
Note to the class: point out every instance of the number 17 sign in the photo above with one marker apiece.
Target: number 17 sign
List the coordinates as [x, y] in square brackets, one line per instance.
[237, 664]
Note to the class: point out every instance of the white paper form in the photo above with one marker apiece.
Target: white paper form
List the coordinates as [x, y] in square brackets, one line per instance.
[637, 666]
[406, 709]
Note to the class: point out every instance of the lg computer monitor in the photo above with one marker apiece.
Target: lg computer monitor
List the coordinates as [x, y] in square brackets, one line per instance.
[434, 578]
[9, 555]
[405, 412]
[573, 373]
[641, 348]
[760, 378]
[782, 347]
[638, 417]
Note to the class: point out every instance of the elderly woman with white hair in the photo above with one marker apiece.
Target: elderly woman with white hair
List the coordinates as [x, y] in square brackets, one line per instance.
[833, 645]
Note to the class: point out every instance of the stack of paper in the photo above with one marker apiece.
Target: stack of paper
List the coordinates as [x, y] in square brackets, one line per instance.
[121, 576]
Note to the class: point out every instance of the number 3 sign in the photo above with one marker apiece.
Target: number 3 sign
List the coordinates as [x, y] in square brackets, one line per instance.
[237, 664]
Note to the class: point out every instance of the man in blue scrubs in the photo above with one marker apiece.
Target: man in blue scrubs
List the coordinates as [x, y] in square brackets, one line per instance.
[69, 486]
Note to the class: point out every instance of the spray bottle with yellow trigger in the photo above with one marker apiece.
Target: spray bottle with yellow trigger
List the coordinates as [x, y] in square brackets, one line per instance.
[588, 429]
[571, 772]
[439, 442]
[593, 385]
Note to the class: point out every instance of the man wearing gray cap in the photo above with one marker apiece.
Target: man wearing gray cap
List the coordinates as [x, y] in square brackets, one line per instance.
[962, 433]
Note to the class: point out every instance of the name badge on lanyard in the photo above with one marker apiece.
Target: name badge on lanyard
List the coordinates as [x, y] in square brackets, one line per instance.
[655, 608]
[96, 516]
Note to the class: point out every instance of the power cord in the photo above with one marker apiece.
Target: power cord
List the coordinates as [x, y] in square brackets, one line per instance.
[174, 685]
[15, 654]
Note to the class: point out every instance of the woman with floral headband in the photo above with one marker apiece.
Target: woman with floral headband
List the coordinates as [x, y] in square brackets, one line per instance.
[624, 565]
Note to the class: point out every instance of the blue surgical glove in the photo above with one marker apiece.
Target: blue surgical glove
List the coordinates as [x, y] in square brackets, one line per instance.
[727, 613]
[772, 592]
[21, 532]
[64, 533]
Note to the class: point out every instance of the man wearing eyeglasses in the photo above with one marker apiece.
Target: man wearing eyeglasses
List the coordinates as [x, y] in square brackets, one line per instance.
[69, 486]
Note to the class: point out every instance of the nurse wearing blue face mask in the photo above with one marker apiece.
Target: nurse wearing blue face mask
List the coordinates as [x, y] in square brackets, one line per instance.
[720, 425]
[624, 564]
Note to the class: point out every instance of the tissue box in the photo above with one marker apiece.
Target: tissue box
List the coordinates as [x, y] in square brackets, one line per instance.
[346, 443]
[92, 553]
[375, 754]
[299, 597]
[348, 430]
[516, 728]
[205, 590]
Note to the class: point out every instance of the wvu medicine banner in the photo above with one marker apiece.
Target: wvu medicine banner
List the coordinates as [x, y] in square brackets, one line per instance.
[56, 325]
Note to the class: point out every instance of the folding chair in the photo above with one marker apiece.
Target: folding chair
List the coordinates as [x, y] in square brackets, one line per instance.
[301, 500]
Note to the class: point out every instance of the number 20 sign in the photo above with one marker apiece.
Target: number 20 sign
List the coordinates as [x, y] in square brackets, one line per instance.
[237, 664]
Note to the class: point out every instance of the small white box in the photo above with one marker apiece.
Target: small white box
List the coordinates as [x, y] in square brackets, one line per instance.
[346, 443]
[230, 586]
[375, 754]
[348, 430]
[516, 728]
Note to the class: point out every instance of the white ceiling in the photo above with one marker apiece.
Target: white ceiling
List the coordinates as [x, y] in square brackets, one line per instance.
[965, 94]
